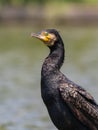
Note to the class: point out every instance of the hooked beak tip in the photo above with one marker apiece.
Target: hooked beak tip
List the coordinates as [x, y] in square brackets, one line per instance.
[33, 34]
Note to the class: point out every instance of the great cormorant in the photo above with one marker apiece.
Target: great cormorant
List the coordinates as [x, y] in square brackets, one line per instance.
[69, 105]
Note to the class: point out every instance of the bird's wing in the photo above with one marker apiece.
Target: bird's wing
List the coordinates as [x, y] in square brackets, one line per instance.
[86, 95]
[81, 104]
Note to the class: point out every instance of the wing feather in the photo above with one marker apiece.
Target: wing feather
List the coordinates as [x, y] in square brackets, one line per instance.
[81, 103]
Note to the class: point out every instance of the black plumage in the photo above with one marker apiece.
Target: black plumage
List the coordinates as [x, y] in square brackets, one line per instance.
[69, 105]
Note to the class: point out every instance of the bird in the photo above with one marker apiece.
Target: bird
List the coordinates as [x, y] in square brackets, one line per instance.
[69, 105]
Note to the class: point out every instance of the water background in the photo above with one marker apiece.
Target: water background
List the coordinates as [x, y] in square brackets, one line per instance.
[21, 58]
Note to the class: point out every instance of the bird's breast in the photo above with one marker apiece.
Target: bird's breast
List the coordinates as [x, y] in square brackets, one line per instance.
[49, 91]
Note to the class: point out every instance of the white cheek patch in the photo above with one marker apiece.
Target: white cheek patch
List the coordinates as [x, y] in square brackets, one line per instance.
[50, 43]
[53, 39]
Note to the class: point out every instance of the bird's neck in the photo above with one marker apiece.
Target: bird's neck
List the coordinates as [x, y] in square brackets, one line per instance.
[54, 60]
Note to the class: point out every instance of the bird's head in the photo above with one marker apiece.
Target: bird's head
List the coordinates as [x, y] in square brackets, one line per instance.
[48, 36]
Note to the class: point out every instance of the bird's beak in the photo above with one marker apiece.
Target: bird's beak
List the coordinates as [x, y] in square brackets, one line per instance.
[42, 37]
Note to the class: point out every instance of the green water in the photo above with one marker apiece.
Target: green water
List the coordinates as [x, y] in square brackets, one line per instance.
[21, 57]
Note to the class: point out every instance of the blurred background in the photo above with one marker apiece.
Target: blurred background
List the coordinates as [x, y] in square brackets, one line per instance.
[21, 57]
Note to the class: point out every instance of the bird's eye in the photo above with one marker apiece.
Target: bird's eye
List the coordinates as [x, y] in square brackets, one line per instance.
[46, 33]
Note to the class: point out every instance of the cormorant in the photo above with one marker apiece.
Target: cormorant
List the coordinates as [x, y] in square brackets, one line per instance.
[69, 105]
